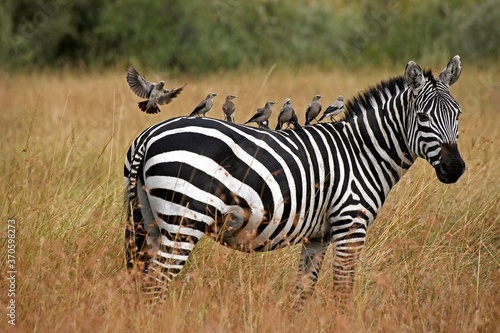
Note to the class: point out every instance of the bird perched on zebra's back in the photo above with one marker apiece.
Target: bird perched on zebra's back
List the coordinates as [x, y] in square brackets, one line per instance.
[204, 106]
[313, 109]
[262, 115]
[287, 115]
[228, 108]
[264, 124]
[334, 109]
[155, 93]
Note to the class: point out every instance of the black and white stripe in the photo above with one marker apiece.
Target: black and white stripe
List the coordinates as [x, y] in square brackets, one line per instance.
[258, 190]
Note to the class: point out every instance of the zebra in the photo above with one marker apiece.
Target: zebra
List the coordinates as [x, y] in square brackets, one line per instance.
[258, 190]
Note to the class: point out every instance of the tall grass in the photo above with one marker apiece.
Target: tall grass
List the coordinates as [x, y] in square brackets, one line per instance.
[431, 263]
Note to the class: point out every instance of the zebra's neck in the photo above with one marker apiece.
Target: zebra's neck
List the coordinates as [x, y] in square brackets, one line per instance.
[377, 119]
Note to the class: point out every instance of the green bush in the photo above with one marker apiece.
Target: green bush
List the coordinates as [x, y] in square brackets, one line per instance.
[201, 36]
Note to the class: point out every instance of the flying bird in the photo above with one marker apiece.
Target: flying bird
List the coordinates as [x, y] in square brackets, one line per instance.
[262, 115]
[155, 93]
[287, 115]
[204, 106]
[313, 109]
[228, 108]
[334, 109]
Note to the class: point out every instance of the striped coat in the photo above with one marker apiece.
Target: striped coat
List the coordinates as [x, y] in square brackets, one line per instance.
[257, 190]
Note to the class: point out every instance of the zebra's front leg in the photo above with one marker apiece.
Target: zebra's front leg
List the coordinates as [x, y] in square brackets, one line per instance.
[311, 259]
[349, 243]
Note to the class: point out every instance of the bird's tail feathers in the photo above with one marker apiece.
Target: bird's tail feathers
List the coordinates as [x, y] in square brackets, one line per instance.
[144, 107]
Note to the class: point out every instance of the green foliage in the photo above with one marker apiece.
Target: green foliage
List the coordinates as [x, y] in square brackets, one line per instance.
[200, 36]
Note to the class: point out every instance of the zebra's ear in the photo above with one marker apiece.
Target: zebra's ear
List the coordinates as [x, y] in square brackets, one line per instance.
[413, 75]
[452, 71]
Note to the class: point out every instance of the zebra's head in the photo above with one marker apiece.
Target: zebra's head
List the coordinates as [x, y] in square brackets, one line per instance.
[433, 119]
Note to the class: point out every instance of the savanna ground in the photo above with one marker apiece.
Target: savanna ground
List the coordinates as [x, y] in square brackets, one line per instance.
[431, 263]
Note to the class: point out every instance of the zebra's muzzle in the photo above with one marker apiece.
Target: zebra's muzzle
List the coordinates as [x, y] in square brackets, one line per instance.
[451, 165]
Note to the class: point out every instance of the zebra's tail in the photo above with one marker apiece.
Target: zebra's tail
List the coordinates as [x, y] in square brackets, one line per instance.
[135, 164]
[135, 233]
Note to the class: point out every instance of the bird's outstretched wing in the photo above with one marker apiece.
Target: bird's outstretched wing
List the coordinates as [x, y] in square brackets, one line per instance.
[167, 95]
[138, 83]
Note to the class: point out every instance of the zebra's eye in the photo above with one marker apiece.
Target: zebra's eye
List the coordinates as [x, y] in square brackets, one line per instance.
[422, 117]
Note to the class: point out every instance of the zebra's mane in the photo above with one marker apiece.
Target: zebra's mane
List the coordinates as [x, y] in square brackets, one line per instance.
[375, 96]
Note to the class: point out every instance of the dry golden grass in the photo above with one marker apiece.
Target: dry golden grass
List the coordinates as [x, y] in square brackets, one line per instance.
[431, 263]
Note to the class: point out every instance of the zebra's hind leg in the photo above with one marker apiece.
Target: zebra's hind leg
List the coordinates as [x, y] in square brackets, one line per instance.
[177, 239]
[311, 259]
[142, 239]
